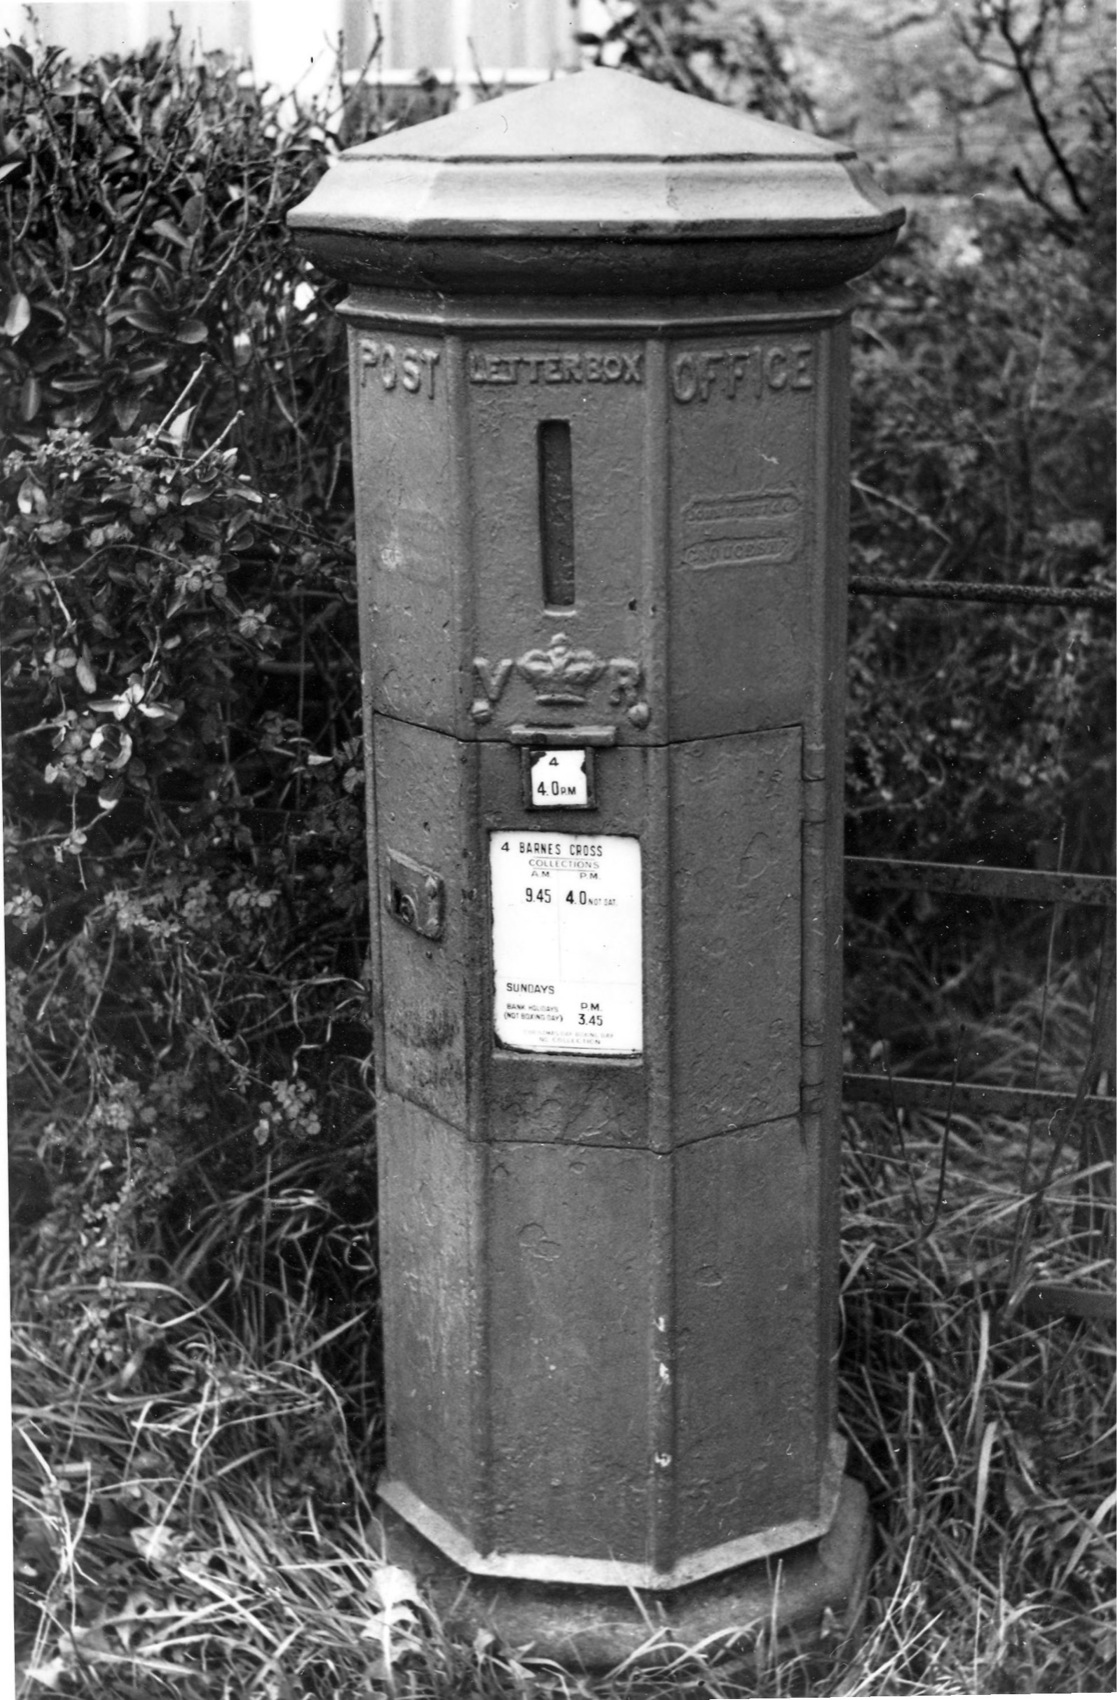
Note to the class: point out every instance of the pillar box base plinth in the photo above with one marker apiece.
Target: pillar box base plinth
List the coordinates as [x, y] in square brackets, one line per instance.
[812, 1597]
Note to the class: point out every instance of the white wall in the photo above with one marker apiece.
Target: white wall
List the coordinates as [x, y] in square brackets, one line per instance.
[294, 41]
[88, 27]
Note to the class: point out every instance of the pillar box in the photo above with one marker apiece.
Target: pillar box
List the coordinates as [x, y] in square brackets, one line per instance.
[599, 351]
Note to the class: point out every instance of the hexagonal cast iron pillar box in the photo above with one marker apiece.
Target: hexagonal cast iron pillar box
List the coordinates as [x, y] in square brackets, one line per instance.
[599, 367]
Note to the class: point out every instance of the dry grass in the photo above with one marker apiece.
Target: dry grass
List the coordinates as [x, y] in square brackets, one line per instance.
[193, 1516]
[985, 1436]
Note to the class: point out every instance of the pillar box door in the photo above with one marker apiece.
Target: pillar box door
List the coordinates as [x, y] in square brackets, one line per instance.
[598, 335]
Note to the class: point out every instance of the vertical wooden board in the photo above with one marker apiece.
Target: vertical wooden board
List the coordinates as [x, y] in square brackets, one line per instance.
[735, 931]
[412, 541]
[426, 987]
[745, 537]
[747, 1369]
[430, 1238]
[571, 1327]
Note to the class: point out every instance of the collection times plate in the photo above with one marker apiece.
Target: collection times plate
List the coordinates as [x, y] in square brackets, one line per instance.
[567, 942]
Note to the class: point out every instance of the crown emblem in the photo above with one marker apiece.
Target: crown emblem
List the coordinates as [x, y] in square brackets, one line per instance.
[560, 675]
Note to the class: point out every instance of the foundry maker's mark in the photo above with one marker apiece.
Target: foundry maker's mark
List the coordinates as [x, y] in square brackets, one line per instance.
[741, 530]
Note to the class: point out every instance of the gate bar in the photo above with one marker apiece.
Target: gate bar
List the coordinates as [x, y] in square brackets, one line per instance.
[911, 1092]
[1026, 885]
[1043, 595]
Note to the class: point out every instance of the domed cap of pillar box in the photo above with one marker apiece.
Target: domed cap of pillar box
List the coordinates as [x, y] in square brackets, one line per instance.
[597, 183]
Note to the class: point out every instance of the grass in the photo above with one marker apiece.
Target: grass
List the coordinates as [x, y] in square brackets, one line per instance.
[985, 1438]
[196, 1436]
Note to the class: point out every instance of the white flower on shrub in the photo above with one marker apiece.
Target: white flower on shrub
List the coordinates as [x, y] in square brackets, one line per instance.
[291, 1108]
[118, 1107]
[253, 623]
[72, 845]
[959, 249]
[199, 906]
[24, 908]
[135, 695]
[115, 745]
[135, 914]
[247, 897]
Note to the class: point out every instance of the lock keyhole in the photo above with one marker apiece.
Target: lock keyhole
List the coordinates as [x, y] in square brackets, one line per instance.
[403, 906]
[414, 895]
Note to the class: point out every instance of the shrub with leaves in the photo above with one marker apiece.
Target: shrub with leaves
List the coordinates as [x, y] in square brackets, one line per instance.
[703, 49]
[185, 877]
[982, 431]
[185, 883]
[198, 1386]
[144, 201]
[185, 893]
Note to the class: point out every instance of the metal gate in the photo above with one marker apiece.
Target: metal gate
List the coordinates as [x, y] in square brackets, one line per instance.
[1086, 1115]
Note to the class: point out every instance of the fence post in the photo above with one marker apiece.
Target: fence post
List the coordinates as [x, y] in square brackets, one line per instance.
[599, 374]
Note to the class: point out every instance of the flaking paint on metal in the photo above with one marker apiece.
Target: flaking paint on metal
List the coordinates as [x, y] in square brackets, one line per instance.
[746, 1357]
[420, 778]
[824, 737]
[559, 1103]
[635, 1268]
[734, 926]
[433, 1319]
[570, 1302]
[747, 654]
